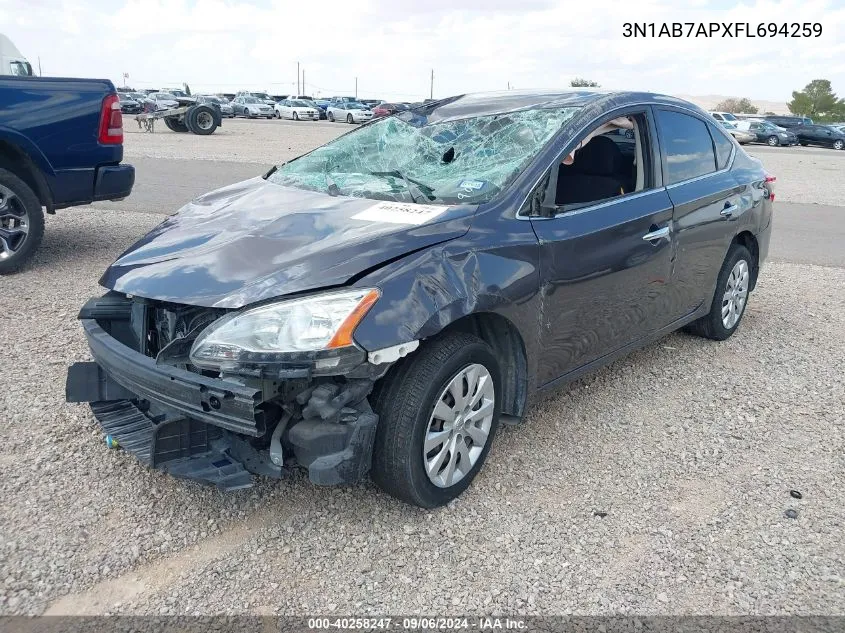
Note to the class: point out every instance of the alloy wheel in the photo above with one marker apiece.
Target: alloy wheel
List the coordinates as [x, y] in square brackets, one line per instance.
[459, 426]
[14, 223]
[736, 294]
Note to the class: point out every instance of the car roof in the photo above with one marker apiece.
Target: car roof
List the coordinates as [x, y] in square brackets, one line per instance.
[490, 103]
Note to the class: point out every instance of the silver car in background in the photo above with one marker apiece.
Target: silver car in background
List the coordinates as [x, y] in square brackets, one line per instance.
[222, 104]
[251, 107]
[349, 111]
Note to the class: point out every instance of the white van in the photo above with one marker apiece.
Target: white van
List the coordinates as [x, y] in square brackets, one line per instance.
[11, 60]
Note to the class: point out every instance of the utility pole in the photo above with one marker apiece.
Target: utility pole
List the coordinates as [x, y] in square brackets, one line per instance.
[39, 65]
[297, 80]
[304, 89]
[431, 95]
[356, 88]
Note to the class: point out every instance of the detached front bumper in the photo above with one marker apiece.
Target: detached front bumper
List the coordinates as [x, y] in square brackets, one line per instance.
[216, 430]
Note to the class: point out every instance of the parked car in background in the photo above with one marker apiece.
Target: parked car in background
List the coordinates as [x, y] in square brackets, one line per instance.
[343, 99]
[162, 100]
[349, 111]
[768, 133]
[788, 121]
[61, 145]
[386, 109]
[742, 136]
[180, 93]
[220, 103]
[128, 105]
[322, 105]
[12, 62]
[251, 107]
[821, 135]
[296, 110]
[377, 304]
[263, 97]
[723, 116]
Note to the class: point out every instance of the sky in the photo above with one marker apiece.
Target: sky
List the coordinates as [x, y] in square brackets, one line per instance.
[391, 46]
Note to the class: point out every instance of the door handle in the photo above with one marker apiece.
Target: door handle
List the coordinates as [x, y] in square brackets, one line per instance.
[729, 209]
[653, 236]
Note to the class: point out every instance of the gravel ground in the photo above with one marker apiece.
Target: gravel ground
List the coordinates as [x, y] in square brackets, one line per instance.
[657, 485]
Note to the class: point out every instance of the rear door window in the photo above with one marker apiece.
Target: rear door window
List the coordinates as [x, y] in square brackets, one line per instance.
[687, 146]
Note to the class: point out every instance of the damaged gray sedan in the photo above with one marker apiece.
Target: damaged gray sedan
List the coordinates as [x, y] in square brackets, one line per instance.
[377, 306]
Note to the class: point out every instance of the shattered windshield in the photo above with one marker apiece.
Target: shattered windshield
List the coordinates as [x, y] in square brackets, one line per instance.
[411, 158]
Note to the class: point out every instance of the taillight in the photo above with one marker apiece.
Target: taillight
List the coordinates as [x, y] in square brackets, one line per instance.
[111, 121]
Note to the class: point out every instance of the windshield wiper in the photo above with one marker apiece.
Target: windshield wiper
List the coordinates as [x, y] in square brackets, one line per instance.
[410, 183]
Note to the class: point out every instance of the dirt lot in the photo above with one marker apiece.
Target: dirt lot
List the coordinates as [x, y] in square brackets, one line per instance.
[658, 485]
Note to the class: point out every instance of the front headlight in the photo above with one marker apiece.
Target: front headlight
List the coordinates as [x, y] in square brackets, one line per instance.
[265, 334]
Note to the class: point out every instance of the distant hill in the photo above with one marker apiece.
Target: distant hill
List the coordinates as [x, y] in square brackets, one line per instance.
[708, 102]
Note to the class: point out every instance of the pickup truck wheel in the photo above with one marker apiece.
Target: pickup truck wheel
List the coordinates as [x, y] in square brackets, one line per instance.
[174, 125]
[730, 298]
[201, 120]
[21, 222]
[438, 413]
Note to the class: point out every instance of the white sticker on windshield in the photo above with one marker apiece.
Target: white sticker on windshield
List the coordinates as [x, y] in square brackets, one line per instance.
[401, 213]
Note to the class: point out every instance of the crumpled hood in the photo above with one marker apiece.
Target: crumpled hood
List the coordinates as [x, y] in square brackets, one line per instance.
[258, 240]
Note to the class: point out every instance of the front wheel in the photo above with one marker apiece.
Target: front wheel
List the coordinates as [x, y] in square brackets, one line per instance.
[730, 299]
[331, 117]
[295, 116]
[803, 143]
[438, 413]
[349, 118]
[773, 141]
[838, 144]
[21, 222]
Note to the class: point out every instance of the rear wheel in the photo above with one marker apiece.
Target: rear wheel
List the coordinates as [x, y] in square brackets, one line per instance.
[803, 143]
[730, 298]
[838, 144]
[438, 413]
[21, 222]
[773, 141]
[174, 125]
[201, 120]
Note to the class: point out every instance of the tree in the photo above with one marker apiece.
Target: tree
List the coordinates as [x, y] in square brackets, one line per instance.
[817, 100]
[737, 105]
[579, 82]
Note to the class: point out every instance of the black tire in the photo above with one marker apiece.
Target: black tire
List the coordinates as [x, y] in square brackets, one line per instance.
[18, 200]
[349, 119]
[277, 114]
[803, 143]
[295, 116]
[404, 400]
[201, 120]
[175, 126]
[838, 144]
[711, 325]
[330, 117]
[773, 141]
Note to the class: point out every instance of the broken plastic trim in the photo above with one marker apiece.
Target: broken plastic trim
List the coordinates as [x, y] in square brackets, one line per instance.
[393, 353]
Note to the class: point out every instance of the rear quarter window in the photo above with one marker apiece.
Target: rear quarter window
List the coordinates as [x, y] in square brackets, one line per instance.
[687, 146]
[723, 147]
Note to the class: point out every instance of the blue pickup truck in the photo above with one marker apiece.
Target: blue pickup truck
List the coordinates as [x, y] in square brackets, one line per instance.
[61, 145]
